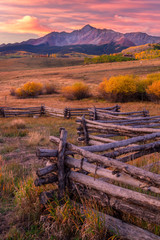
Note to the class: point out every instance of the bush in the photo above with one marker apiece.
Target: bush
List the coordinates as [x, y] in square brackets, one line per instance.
[12, 91]
[29, 89]
[120, 88]
[116, 57]
[76, 92]
[101, 88]
[152, 78]
[148, 54]
[49, 88]
[154, 90]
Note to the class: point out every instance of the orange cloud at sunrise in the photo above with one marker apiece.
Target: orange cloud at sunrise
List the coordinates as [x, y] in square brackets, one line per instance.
[27, 24]
[34, 18]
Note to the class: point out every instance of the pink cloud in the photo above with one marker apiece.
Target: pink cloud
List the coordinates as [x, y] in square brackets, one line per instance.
[27, 24]
[66, 15]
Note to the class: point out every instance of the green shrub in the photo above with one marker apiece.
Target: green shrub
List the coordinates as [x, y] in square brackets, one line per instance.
[29, 89]
[116, 57]
[76, 92]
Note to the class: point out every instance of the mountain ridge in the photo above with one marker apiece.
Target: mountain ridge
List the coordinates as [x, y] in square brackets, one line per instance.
[87, 35]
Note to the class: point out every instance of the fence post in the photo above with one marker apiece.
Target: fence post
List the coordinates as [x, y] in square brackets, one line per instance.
[60, 163]
[117, 108]
[2, 112]
[85, 130]
[94, 113]
[42, 110]
[65, 112]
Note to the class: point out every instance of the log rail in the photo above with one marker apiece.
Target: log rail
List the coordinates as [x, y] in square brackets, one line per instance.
[83, 172]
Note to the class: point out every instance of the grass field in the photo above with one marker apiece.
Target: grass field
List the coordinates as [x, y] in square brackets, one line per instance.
[15, 72]
[18, 143]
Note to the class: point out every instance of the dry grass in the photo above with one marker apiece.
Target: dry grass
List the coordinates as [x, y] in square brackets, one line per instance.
[21, 73]
[37, 138]
[17, 123]
[27, 200]
[15, 173]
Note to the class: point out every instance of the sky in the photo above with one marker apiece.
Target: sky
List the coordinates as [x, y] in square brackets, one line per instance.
[24, 19]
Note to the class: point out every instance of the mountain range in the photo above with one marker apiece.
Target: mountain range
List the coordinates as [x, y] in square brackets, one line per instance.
[88, 40]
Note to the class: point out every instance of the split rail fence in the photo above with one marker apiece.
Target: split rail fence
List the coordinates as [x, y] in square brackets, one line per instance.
[53, 112]
[22, 112]
[94, 132]
[104, 114]
[90, 173]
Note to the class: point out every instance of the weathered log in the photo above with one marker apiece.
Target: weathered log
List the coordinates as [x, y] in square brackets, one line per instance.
[118, 206]
[119, 129]
[136, 172]
[136, 155]
[55, 114]
[121, 143]
[46, 180]
[43, 171]
[102, 172]
[148, 126]
[60, 163]
[50, 153]
[46, 153]
[93, 142]
[116, 144]
[127, 231]
[101, 139]
[146, 147]
[130, 122]
[123, 113]
[130, 196]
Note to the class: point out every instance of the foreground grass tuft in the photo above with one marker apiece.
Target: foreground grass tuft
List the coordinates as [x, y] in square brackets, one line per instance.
[27, 201]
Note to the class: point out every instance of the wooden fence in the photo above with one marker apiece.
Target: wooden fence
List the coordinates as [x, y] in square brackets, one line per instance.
[53, 112]
[19, 112]
[95, 132]
[104, 114]
[95, 176]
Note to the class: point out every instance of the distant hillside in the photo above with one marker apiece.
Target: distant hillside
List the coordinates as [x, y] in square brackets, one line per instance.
[87, 40]
[147, 51]
[137, 49]
[44, 49]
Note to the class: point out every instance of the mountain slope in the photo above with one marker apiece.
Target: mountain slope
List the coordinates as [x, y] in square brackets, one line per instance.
[91, 35]
[98, 40]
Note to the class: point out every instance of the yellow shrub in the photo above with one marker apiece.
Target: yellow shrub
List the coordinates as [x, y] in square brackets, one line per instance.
[152, 78]
[146, 82]
[120, 88]
[148, 54]
[29, 89]
[154, 90]
[101, 88]
[121, 84]
[76, 92]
